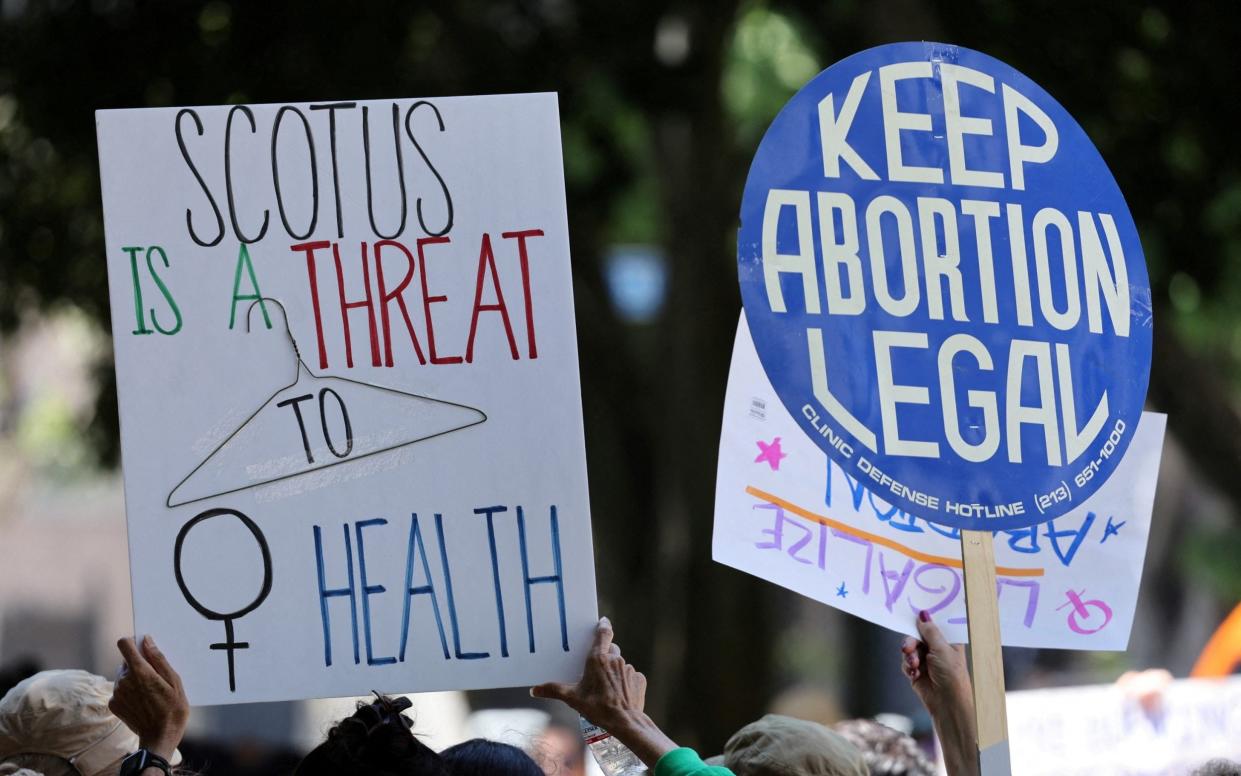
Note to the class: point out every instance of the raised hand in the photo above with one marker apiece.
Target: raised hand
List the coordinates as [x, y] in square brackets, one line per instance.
[609, 686]
[612, 694]
[939, 675]
[149, 697]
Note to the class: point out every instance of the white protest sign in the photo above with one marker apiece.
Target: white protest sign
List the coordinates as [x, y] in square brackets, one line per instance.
[787, 513]
[389, 490]
[1102, 731]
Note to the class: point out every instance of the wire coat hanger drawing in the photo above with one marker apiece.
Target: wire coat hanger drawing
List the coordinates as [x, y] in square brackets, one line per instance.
[431, 418]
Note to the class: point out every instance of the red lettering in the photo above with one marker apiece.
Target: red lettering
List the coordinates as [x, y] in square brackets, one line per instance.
[525, 281]
[386, 298]
[346, 306]
[310, 249]
[428, 300]
[487, 260]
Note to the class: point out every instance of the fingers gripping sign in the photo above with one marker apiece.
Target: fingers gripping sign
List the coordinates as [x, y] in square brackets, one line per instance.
[609, 687]
[936, 669]
[603, 637]
[938, 673]
[612, 695]
[149, 697]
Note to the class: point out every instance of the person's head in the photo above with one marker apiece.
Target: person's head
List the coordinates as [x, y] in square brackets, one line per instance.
[560, 751]
[480, 757]
[887, 752]
[783, 746]
[374, 741]
[58, 722]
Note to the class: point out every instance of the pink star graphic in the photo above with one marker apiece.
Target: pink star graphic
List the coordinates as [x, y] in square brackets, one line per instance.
[771, 453]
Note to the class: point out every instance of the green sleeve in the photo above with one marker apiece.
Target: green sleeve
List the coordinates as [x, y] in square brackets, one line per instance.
[686, 762]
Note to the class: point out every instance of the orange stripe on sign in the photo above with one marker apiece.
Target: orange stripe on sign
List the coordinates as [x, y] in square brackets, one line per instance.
[881, 540]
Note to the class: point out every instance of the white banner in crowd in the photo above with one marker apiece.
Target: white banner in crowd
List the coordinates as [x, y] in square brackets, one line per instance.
[389, 490]
[1101, 731]
[786, 513]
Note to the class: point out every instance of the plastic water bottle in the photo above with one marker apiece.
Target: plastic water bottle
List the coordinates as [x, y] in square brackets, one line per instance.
[614, 758]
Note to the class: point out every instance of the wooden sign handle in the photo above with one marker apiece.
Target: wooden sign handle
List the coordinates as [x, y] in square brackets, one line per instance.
[987, 661]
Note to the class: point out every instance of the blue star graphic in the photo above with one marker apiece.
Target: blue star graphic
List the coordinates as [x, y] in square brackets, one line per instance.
[841, 592]
[1112, 529]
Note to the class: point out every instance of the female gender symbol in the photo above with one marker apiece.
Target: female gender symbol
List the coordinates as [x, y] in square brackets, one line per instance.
[1080, 612]
[229, 644]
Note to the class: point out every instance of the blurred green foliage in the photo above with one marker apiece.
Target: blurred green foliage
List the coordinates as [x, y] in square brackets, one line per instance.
[768, 61]
[1209, 557]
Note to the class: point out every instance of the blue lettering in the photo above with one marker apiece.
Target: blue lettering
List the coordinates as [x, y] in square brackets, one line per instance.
[452, 603]
[495, 571]
[416, 545]
[325, 594]
[556, 578]
[368, 591]
[1078, 536]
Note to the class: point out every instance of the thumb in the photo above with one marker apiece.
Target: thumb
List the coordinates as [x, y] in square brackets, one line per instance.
[603, 637]
[556, 691]
[931, 633]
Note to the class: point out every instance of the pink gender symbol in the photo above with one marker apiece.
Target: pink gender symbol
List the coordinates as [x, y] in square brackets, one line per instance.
[1080, 611]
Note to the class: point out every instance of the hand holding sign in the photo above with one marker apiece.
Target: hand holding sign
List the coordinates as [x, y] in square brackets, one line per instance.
[612, 695]
[609, 688]
[150, 699]
[938, 674]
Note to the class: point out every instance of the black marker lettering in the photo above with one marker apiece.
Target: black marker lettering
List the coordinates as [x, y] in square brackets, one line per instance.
[331, 109]
[447, 197]
[400, 170]
[314, 174]
[301, 425]
[185, 154]
[327, 436]
[228, 174]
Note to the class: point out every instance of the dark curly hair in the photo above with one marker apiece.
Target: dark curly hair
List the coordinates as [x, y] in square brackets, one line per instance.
[374, 741]
[480, 757]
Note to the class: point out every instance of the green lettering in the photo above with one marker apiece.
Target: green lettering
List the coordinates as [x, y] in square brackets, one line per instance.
[139, 313]
[163, 289]
[243, 261]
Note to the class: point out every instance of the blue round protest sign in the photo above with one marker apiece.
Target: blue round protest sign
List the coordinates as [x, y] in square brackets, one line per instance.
[945, 286]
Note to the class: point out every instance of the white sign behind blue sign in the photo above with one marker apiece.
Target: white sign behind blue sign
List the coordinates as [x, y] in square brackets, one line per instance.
[945, 286]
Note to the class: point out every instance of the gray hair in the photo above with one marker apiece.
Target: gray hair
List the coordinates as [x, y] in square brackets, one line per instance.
[887, 752]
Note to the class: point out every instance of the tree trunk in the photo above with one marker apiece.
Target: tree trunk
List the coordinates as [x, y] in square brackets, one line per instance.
[713, 649]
